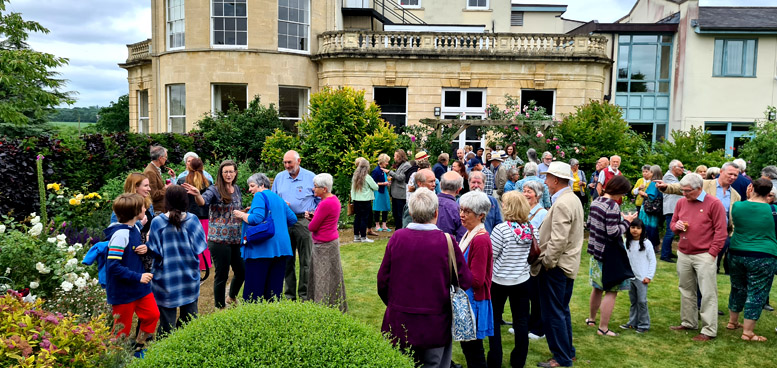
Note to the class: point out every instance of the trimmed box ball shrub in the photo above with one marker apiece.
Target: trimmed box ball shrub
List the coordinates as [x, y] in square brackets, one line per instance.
[284, 334]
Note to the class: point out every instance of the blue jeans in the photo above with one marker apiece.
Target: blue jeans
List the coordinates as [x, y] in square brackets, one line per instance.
[555, 294]
[666, 246]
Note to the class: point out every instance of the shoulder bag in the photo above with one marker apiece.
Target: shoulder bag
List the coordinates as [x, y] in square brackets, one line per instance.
[654, 206]
[463, 323]
[264, 230]
[534, 250]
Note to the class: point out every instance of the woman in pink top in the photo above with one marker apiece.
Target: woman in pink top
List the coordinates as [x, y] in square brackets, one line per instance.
[325, 283]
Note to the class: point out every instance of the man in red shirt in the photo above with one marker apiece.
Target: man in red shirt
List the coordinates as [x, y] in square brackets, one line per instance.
[607, 174]
[700, 221]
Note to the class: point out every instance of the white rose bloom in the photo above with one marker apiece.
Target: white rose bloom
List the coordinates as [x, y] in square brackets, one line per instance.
[30, 298]
[51, 240]
[8, 271]
[33, 214]
[71, 262]
[66, 286]
[78, 246]
[2, 228]
[86, 276]
[42, 268]
[4, 287]
[80, 283]
[61, 237]
[35, 220]
[70, 249]
[71, 276]
[36, 229]
[61, 245]
[60, 196]
[34, 285]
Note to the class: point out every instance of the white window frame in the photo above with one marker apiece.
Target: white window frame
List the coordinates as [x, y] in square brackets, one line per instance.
[463, 111]
[303, 109]
[169, 26]
[393, 113]
[410, 6]
[470, 7]
[309, 26]
[212, 30]
[169, 113]
[142, 118]
[213, 105]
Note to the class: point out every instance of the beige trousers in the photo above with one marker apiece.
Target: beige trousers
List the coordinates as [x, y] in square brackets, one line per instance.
[698, 270]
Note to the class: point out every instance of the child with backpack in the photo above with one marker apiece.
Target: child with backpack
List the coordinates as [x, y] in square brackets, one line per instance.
[128, 285]
[643, 264]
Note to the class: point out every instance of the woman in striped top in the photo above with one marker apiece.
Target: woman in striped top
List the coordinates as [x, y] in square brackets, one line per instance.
[606, 228]
[511, 241]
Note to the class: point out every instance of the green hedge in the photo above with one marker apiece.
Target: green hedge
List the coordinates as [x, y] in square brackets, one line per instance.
[284, 334]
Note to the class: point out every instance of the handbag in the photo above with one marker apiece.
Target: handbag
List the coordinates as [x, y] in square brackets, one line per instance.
[654, 206]
[263, 230]
[615, 264]
[534, 250]
[463, 323]
[351, 210]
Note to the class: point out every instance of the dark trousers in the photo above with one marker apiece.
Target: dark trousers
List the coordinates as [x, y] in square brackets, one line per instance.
[519, 308]
[361, 221]
[535, 315]
[302, 244]
[724, 254]
[474, 353]
[264, 278]
[224, 256]
[167, 317]
[666, 246]
[397, 205]
[555, 294]
[380, 216]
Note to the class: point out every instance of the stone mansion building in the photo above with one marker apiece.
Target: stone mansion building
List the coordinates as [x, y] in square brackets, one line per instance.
[670, 64]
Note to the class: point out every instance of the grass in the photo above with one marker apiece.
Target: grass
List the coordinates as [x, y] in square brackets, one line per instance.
[660, 347]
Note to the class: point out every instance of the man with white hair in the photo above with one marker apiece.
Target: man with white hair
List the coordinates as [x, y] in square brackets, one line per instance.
[561, 242]
[700, 220]
[295, 186]
[608, 173]
[477, 182]
[547, 158]
[153, 172]
[449, 220]
[423, 178]
[743, 181]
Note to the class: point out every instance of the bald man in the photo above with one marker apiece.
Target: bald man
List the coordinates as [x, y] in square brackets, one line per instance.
[448, 218]
[424, 178]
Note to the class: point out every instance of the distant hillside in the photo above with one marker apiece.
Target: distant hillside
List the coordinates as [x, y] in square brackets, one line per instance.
[72, 114]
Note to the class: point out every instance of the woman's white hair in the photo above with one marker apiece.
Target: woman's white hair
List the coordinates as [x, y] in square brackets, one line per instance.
[476, 201]
[324, 180]
[530, 169]
[422, 205]
[693, 180]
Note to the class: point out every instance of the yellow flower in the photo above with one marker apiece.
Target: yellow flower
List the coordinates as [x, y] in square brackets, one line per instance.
[54, 186]
[89, 196]
[73, 201]
[97, 205]
[79, 197]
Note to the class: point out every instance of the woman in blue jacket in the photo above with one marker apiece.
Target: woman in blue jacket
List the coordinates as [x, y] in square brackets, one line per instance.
[265, 263]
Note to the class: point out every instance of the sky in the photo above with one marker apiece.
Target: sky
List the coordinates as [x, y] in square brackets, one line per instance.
[93, 34]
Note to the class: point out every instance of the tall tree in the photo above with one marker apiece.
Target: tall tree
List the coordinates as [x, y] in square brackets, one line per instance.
[29, 88]
[114, 118]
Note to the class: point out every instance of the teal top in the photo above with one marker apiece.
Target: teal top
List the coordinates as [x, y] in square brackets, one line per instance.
[366, 194]
[753, 228]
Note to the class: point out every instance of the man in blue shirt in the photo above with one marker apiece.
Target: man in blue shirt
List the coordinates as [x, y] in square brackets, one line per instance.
[295, 186]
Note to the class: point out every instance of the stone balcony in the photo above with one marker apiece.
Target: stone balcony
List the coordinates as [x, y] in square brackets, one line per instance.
[138, 53]
[433, 45]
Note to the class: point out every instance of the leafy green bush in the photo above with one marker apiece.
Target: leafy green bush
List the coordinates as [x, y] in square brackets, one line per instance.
[284, 334]
[761, 151]
[240, 134]
[33, 337]
[691, 147]
[532, 129]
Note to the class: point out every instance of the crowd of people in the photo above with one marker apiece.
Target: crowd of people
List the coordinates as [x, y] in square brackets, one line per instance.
[474, 221]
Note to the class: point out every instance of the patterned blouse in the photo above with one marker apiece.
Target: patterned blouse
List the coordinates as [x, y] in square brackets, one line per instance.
[222, 226]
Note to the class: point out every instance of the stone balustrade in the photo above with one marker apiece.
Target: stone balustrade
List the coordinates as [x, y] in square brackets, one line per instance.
[139, 51]
[487, 45]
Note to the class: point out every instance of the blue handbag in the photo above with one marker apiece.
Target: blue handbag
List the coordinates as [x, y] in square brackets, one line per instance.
[463, 323]
[262, 231]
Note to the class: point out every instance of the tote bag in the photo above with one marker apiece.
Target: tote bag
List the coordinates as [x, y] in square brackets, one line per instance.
[463, 327]
[264, 230]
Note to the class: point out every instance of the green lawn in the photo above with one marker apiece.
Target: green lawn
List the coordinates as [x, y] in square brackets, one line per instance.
[660, 347]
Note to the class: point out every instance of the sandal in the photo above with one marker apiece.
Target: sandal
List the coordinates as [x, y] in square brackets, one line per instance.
[753, 337]
[733, 326]
[608, 333]
[590, 322]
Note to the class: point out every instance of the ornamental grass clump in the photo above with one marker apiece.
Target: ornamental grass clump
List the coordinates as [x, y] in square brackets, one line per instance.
[284, 334]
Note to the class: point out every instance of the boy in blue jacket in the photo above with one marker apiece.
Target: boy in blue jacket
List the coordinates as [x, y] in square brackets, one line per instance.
[128, 288]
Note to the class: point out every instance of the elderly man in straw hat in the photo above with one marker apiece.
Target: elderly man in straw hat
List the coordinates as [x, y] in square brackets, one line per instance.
[561, 241]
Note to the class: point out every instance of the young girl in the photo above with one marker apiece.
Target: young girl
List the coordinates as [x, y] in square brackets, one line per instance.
[643, 264]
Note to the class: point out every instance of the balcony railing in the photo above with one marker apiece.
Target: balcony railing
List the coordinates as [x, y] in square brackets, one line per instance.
[139, 51]
[389, 10]
[360, 43]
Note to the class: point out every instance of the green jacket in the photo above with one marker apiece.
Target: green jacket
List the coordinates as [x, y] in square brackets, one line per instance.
[367, 193]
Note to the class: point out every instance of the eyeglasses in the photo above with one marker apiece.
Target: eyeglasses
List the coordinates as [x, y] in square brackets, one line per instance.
[687, 190]
[465, 211]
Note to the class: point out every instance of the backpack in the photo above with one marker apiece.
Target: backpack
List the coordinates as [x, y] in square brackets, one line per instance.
[99, 253]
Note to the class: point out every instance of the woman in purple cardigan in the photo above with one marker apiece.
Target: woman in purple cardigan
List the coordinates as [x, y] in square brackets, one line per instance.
[419, 317]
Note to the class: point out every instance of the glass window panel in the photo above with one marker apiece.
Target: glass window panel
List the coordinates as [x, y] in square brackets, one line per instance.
[717, 68]
[645, 130]
[633, 114]
[242, 24]
[635, 101]
[666, 38]
[624, 39]
[218, 9]
[283, 2]
[733, 57]
[638, 87]
[218, 37]
[648, 101]
[643, 62]
[622, 87]
[229, 38]
[716, 127]
[666, 58]
[240, 10]
[717, 141]
[647, 114]
[391, 100]
[738, 143]
[621, 100]
[645, 38]
[289, 102]
[178, 125]
[660, 132]
[662, 101]
[143, 103]
[662, 115]
[218, 24]
[242, 38]
[623, 61]
[293, 15]
[229, 24]
[663, 87]
[294, 3]
[229, 10]
[472, 134]
[742, 127]
[452, 98]
[474, 99]
[396, 120]
[282, 41]
[749, 58]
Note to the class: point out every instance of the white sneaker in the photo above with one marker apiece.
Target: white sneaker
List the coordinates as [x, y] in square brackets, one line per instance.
[357, 239]
[511, 330]
[535, 337]
[367, 240]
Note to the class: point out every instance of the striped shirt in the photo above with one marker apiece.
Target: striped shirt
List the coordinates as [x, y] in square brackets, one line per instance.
[604, 225]
[511, 242]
